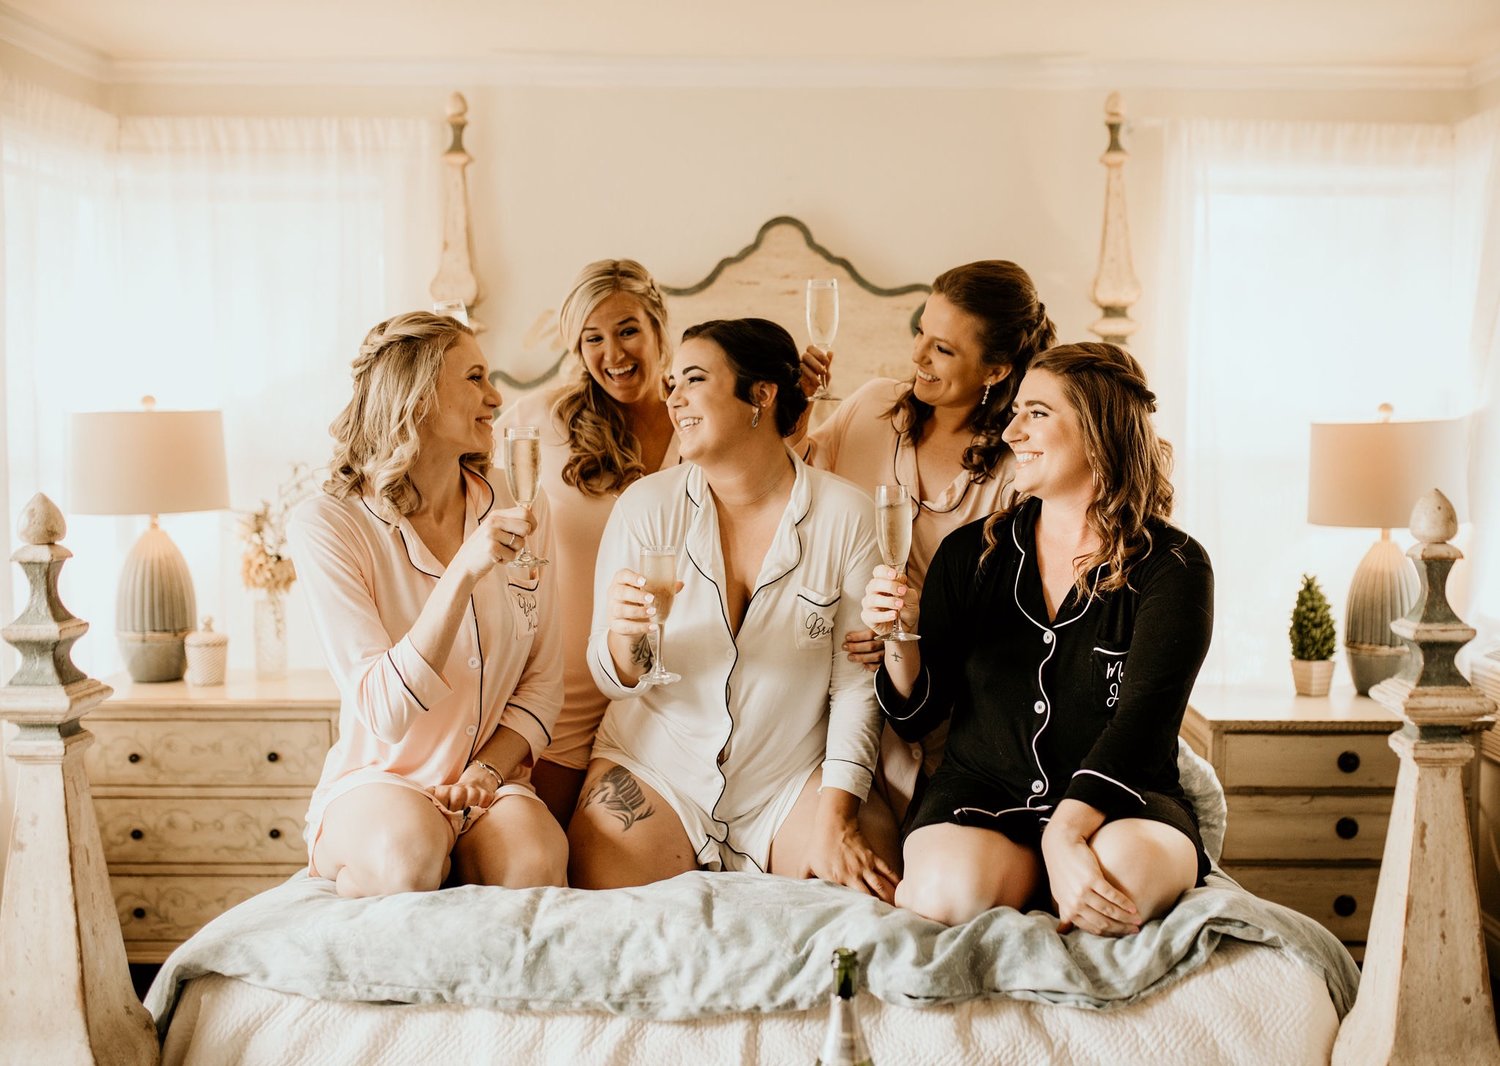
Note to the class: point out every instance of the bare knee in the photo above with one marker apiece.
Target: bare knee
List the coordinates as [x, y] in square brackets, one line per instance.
[955, 896]
[395, 866]
[538, 859]
[1151, 862]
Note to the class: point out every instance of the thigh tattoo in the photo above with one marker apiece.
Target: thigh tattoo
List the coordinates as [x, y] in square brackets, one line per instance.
[620, 794]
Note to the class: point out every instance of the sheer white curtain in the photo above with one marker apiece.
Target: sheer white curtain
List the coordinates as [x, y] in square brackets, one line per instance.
[1477, 143]
[227, 263]
[1311, 273]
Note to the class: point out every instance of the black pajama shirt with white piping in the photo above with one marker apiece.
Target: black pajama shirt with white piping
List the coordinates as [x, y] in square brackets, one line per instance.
[1086, 706]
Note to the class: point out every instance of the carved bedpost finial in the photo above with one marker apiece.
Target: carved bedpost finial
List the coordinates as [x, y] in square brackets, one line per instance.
[1425, 993]
[1116, 287]
[455, 278]
[65, 992]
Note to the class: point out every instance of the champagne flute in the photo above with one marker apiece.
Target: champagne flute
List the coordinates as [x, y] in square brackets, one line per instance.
[523, 462]
[893, 519]
[452, 309]
[659, 568]
[822, 320]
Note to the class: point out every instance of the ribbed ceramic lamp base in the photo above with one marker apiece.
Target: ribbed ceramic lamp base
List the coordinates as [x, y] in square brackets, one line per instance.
[1383, 589]
[154, 609]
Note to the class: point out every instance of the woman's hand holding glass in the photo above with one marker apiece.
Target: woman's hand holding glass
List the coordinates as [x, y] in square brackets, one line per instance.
[633, 614]
[817, 365]
[496, 542]
[888, 596]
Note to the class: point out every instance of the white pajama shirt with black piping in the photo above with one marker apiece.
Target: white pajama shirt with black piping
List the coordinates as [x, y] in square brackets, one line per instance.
[403, 721]
[1084, 706]
[732, 744]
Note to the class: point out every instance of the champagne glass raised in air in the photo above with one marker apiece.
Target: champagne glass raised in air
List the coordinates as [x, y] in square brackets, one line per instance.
[822, 320]
[893, 525]
[659, 568]
[523, 462]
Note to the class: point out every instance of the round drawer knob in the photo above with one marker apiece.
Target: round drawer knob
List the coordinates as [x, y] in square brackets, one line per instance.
[136, 834]
[139, 912]
[271, 756]
[1349, 761]
[1344, 906]
[1346, 828]
[274, 834]
[134, 756]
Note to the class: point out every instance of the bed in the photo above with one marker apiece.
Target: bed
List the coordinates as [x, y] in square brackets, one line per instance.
[714, 968]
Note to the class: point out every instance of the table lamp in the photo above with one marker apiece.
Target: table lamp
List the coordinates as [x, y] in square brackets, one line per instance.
[150, 462]
[1370, 475]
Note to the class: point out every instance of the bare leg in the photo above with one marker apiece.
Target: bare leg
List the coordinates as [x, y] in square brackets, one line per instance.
[558, 787]
[955, 873]
[379, 839]
[791, 849]
[623, 833]
[516, 843]
[1151, 862]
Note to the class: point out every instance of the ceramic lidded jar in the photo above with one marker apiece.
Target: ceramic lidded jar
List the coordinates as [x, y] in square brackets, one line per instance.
[207, 655]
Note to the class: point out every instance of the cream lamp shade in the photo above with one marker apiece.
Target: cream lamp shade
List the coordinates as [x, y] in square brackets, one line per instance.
[150, 462]
[1370, 475]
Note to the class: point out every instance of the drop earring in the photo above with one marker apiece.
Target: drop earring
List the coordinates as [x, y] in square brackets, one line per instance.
[755, 418]
[985, 398]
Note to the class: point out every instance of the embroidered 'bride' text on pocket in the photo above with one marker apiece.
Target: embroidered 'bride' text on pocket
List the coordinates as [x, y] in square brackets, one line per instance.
[815, 616]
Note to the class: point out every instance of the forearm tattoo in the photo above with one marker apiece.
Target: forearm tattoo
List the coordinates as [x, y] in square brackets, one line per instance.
[619, 793]
[640, 652]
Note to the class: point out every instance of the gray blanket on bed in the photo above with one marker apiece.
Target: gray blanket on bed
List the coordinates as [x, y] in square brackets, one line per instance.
[706, 943]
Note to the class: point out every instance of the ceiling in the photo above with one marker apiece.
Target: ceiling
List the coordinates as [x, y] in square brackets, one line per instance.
[135, 34]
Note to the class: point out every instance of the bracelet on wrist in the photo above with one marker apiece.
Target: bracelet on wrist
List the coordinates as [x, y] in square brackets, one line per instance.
[487, 768]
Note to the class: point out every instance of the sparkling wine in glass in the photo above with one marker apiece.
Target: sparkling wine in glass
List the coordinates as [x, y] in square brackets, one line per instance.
[452, 309]
[659, 568]
[893, 519]
[523, 463]
[822, 319]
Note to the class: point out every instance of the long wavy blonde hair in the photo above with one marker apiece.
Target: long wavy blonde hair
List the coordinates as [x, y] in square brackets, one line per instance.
[604, 455]
[1106, 388]
[375, 440]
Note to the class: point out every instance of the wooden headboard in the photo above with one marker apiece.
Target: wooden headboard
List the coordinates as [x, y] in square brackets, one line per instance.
[766, 279]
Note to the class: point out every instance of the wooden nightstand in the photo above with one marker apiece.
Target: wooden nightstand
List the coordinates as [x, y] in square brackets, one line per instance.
[201, 793]
[1309, 782]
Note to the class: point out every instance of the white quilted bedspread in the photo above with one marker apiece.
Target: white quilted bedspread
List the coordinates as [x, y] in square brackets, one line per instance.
[1248, 1005]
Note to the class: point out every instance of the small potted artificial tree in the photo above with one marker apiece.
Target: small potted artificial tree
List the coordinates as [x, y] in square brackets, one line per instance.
[1313, 640]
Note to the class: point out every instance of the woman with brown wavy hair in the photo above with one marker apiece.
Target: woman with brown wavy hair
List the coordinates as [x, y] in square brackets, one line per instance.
[600, 433]
[1062, 637]
[939, 433]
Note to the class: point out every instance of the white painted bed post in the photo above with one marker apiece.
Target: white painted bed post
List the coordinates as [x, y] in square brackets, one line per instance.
[1425, 993]
[65, 992]
[455, 278]
[1116, 287]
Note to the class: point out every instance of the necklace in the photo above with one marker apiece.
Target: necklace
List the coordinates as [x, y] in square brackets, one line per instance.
[775, 483]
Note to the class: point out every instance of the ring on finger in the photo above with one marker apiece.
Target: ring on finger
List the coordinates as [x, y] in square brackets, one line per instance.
[511, 543]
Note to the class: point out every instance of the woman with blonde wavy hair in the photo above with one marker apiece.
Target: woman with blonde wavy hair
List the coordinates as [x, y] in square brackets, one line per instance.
[600, 433]
[1062, 636]
[446, 656]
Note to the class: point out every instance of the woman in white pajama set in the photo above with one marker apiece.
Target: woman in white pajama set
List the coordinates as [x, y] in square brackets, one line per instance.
[447, 660]
[760, 758]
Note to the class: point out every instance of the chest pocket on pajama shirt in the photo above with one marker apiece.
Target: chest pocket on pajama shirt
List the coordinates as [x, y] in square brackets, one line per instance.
[815, 617]
[1109, 676]
[523, 606]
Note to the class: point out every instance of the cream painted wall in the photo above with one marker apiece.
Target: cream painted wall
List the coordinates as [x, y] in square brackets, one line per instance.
[904, 182]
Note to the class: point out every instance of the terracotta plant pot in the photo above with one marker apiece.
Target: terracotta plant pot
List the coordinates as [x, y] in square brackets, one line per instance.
[1312, 676]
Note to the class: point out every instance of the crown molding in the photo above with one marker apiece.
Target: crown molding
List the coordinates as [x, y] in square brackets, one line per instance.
[561, 71]
[1484, 72]
[574, 71]
[22, 33]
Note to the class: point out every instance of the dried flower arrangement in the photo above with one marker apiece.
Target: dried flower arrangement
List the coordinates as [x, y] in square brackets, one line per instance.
[265, 564]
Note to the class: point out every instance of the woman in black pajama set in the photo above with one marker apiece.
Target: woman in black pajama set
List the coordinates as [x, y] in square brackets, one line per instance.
[1062, 637]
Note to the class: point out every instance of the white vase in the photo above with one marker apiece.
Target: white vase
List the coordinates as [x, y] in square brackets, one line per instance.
[270, 635]
[1312, 676]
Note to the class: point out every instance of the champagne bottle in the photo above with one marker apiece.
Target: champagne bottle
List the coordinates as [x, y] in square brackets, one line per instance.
[844, 1043]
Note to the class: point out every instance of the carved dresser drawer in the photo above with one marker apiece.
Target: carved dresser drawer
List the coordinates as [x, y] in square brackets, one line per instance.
[200, 795]
[1309, 783]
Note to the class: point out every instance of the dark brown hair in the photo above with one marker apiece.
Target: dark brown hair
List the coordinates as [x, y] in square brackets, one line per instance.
[757, 349]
